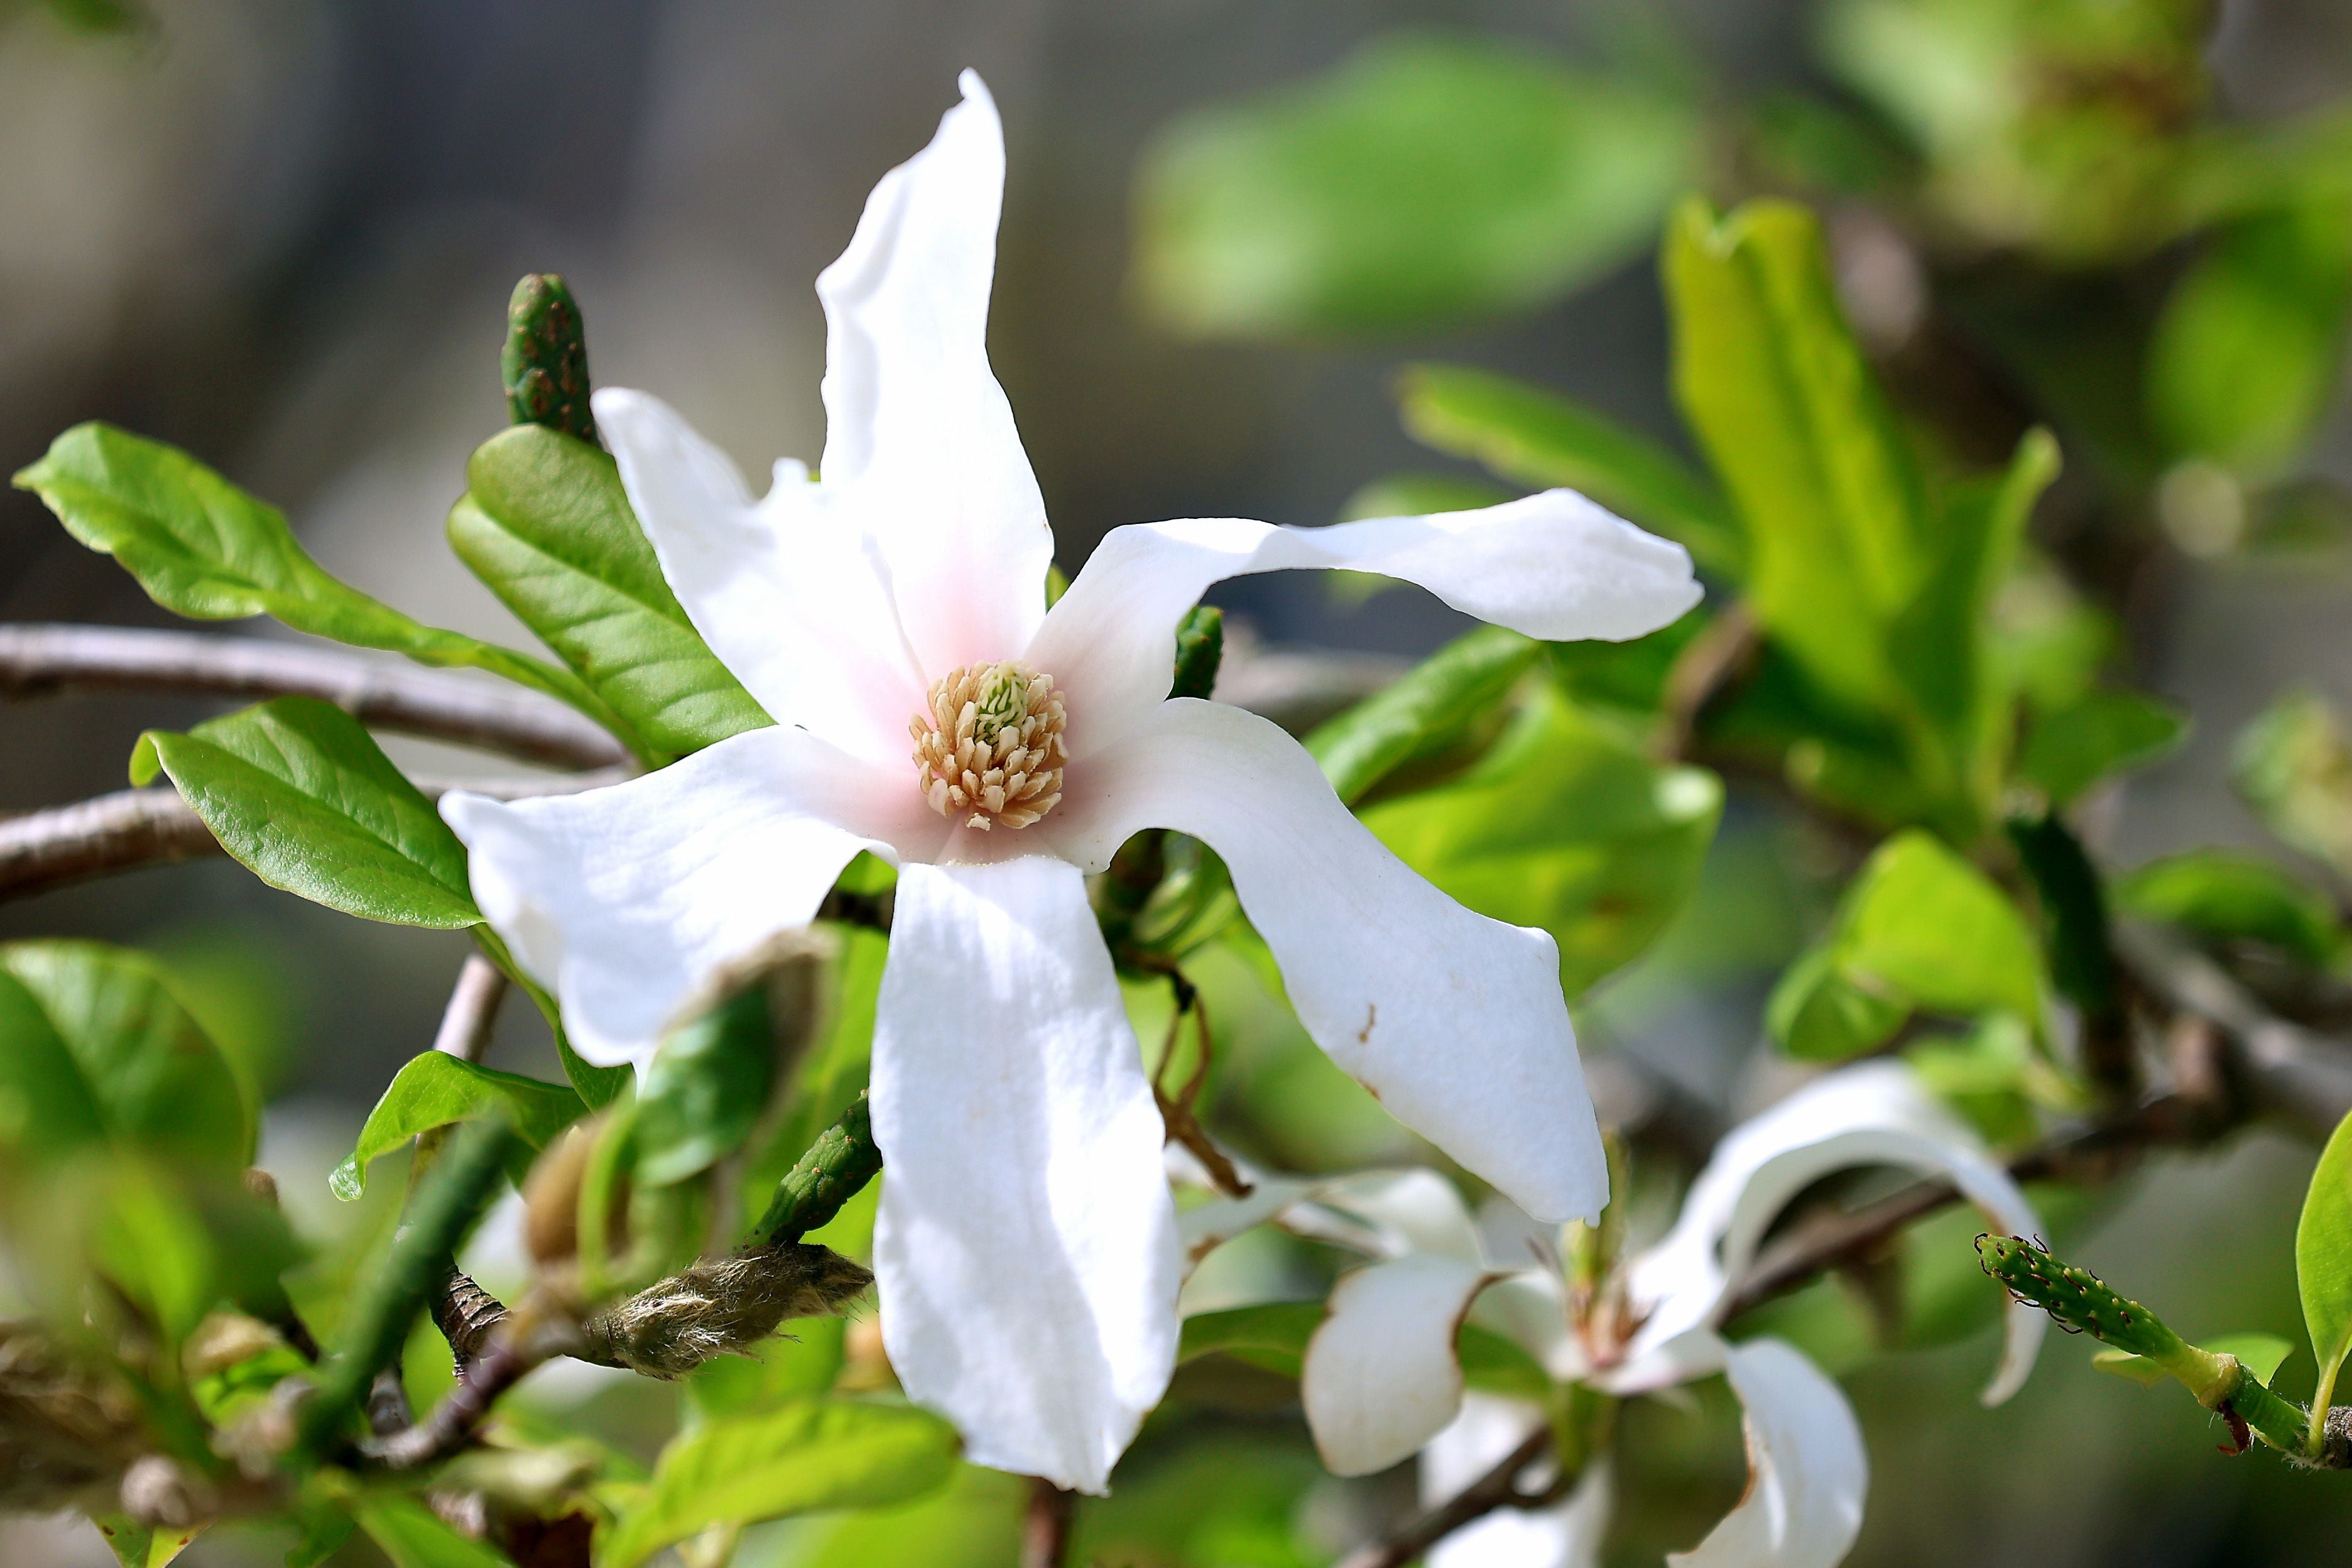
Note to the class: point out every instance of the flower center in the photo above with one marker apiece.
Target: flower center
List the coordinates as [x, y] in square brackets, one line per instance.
[991, 745]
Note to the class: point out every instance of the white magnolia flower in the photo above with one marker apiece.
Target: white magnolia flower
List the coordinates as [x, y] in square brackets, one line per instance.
[891, 617]
[1381, 1381]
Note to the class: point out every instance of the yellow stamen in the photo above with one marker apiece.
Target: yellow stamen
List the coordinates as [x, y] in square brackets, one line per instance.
[990, 744]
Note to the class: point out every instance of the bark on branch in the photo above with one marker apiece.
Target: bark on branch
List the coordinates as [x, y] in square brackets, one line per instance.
[45, 849]
[36, 660]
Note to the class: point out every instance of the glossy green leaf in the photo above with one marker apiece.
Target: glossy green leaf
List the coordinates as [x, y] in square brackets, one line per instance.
[435, 1090]
[2322, 1263]
[1819, 1014]
[705, 1089]
[93, 1044]
[802, 1457]
[2294, 766]
[2249, 348]
[2107, 732]
[1929, 926]
[2223, 896]
[1566, 826]
[546, 524]
[1272, 1335]
[1425, 177]
[1437, 700]
[1830, 499]
[1538, 438]
[413, 1536]
[205, 549]
[137, 1545]
[301, 794]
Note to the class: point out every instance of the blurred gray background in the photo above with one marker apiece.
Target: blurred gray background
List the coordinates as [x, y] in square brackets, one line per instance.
[281, 233]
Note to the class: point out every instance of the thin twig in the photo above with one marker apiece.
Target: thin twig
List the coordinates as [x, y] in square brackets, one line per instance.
[1046, 1529]
[1498, 1488]
[39, 659]
[44, 849]
[1707, 664]
[472, 1016]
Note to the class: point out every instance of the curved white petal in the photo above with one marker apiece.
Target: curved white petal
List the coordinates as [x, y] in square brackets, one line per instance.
[1409, 1211]
[630, 902]
[788, 592]
[1531, 1310]
[1208, 1226]
[1567, 1536]
[1873, 1114]
[1807, 1472]
[1553, 566]
[1382, 1377]
[1026, 1247]
[915, 421]
[1453, 1020]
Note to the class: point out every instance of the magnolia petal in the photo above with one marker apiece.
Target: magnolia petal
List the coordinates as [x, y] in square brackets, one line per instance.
[1409, 1211]
[1807, 1472]
[915, 421]
[1210, 1225]
[1873, 1114]
[1553, 566]
[785, 590]
[1382, 1377]
[1567, 1536]
[1026, 1247]
[632, 903]
[1453, 1020]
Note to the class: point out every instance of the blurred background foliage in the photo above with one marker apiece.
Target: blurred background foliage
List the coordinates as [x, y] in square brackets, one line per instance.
[1987, 354]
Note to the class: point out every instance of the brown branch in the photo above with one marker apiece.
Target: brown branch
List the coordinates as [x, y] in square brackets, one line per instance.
[44, 849]
[472, 1015]
[1706, 666]
[41, 659]
[2287, 1070]
[1498, 1488]
[1046, 1529]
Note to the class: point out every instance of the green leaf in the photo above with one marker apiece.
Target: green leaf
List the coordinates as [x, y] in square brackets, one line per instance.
[137, 1545]
[2222, 896]
[1939, 644]
[2294, 766]
[1441, 696]
[1566, 826]
[1417, 495]
[545, 523]
[705, 1089]
[413, 1536]
[1929, 926]
[205, 549]
[2248, 350]
[1537, 439]
[2074, 909]
[93, 1044]
[2107, 732]
[835, 1069]
[435, 1090]
[1426, 177]
[2259, 1354]
[806, 1456]
[1830, 499]
[300, 793]
[1272, 1335]
[1818, 1014]
[2323, 1264]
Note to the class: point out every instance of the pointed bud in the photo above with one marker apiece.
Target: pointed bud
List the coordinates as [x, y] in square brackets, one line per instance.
[546, 359]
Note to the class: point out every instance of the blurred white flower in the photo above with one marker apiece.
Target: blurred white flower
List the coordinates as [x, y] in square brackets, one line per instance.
[1383, 1381]
[930, 709]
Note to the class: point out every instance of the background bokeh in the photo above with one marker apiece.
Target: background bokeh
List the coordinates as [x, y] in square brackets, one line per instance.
[281, 232]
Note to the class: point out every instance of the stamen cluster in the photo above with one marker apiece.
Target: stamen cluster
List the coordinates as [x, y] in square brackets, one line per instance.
[991, 745]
